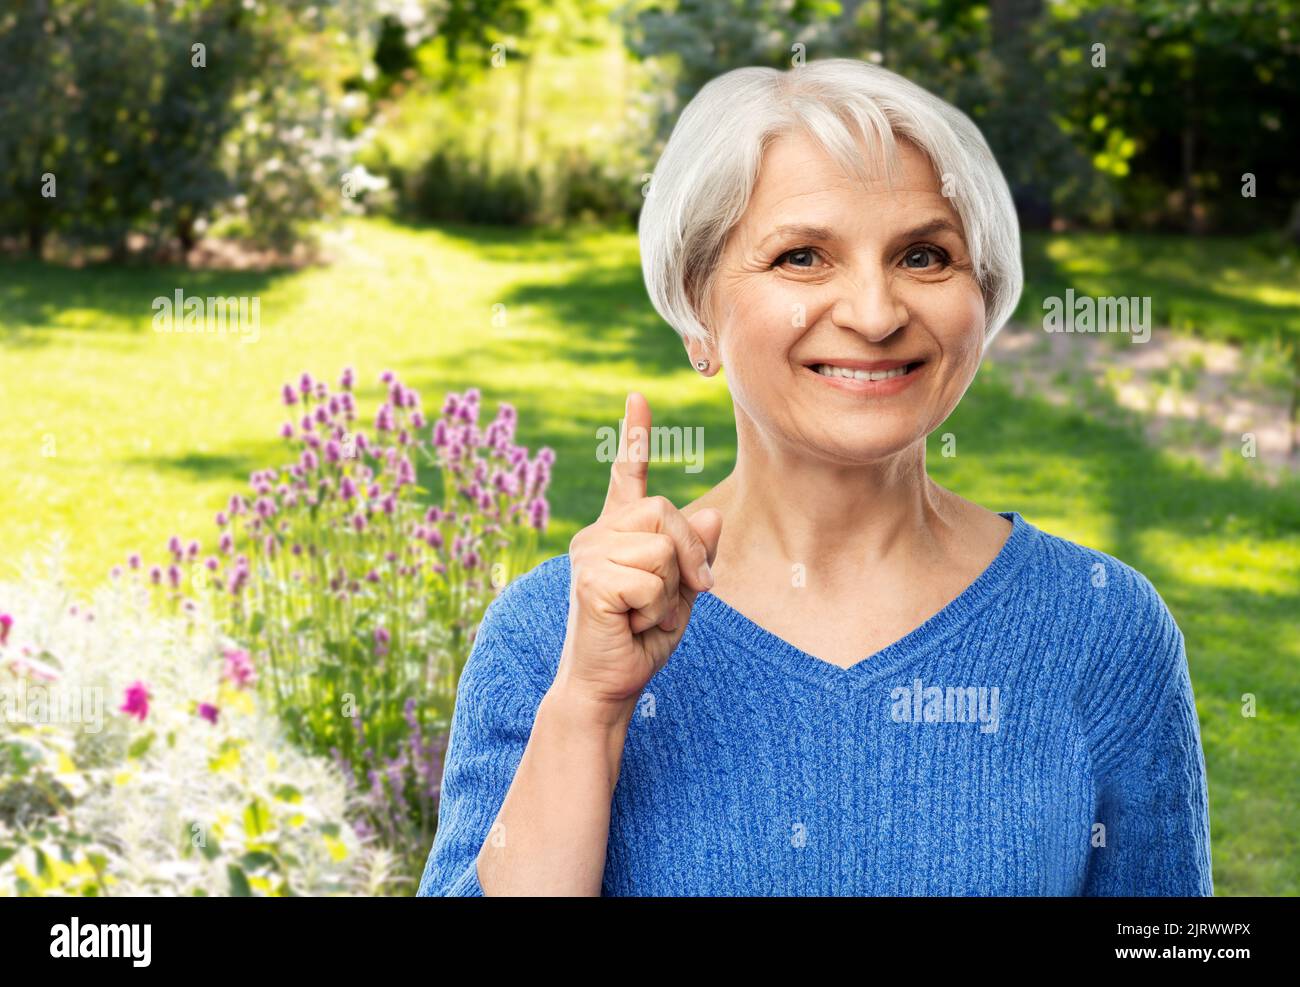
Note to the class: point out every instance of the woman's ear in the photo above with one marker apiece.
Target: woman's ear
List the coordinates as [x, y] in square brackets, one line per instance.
[702, 360]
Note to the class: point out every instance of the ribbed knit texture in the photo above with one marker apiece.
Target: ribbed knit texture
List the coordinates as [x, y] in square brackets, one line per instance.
[754, 768]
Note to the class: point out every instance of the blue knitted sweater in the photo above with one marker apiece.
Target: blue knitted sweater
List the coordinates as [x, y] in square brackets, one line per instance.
[1037, 736]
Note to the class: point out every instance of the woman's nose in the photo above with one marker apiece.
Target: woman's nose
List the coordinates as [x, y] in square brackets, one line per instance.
[868, 305]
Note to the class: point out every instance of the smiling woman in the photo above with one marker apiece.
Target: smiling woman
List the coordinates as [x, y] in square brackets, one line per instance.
[773, 689]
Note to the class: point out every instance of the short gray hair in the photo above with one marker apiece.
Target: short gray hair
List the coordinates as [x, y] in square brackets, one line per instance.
[705, 176]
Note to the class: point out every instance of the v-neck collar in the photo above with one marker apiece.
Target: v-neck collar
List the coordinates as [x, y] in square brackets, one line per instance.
[986, 588]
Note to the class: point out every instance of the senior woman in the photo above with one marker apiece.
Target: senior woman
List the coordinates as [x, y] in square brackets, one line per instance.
[828, 675]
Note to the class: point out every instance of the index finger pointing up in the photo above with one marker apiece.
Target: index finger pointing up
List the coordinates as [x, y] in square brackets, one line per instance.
[627, 475]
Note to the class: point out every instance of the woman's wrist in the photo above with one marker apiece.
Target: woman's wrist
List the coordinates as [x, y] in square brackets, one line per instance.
[580, 709]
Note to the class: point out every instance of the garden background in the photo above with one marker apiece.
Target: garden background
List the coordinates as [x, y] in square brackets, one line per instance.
[254, 552]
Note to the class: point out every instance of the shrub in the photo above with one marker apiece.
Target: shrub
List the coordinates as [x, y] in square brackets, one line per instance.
[132, 764]
[356, 599]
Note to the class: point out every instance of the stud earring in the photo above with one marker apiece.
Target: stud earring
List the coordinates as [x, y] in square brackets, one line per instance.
[701, 365]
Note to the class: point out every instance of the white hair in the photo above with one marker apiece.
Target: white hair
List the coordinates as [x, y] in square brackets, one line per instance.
[704, 179]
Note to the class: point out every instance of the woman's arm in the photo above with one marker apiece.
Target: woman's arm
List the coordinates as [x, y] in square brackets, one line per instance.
[527, 780]
[551, 834]
[1155, 806]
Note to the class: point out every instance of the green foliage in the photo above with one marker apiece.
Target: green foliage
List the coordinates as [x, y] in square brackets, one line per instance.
[154, 118]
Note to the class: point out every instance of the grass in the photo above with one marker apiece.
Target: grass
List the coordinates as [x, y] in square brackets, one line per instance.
[119, 436]
[1235, 289]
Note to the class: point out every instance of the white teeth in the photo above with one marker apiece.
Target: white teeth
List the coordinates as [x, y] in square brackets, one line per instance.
[828, 370]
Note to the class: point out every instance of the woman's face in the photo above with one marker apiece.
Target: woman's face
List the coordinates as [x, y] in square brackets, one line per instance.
[872, 275]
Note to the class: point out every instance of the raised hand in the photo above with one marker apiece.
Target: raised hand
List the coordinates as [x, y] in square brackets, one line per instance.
[634, 576]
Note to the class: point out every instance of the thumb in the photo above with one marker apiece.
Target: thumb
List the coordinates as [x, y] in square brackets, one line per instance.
[706, 523]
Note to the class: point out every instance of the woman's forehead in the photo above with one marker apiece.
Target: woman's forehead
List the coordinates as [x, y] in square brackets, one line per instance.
[795, 166]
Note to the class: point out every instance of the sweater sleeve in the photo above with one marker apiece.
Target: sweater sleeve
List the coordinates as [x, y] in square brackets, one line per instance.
[491, 722]
[1155, 806]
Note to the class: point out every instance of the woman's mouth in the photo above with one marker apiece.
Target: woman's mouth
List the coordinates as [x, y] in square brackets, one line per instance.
[873, 381]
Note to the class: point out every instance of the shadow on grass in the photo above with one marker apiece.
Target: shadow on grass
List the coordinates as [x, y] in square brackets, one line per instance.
[36, 296]
[1203, 284]
[233, 466]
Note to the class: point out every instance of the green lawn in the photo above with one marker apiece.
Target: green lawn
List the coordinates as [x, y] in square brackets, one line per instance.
[1237, 289]
[120, 436]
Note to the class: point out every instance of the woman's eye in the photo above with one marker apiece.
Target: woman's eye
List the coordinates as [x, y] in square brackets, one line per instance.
[803, 257]
[919, 258]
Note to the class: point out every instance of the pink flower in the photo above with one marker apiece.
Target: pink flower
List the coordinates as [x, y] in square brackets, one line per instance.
[37, 669]
[239, 668]
[137, 701]
[290, 396]
[208, 712]
[6, 622]
[133, 560]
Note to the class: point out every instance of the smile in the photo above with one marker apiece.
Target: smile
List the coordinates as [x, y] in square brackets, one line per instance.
[877, 383]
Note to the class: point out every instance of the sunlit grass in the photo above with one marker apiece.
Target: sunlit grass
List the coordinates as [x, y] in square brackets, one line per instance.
[1239, 289]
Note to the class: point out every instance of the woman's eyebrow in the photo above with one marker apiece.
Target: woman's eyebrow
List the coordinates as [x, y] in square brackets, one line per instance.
[930, 229]
[824, 234]
[802, 230]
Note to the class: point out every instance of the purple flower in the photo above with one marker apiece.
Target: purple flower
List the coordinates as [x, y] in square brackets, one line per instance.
[6, 622]
[405, 471]
[155, 575]
[290, 396]
[208, 712]
[347, 489]
[286, 430]
[345, 381]
[137, 701]
[133, 560]
[538, 513]
[304, 383]
[238, 668]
